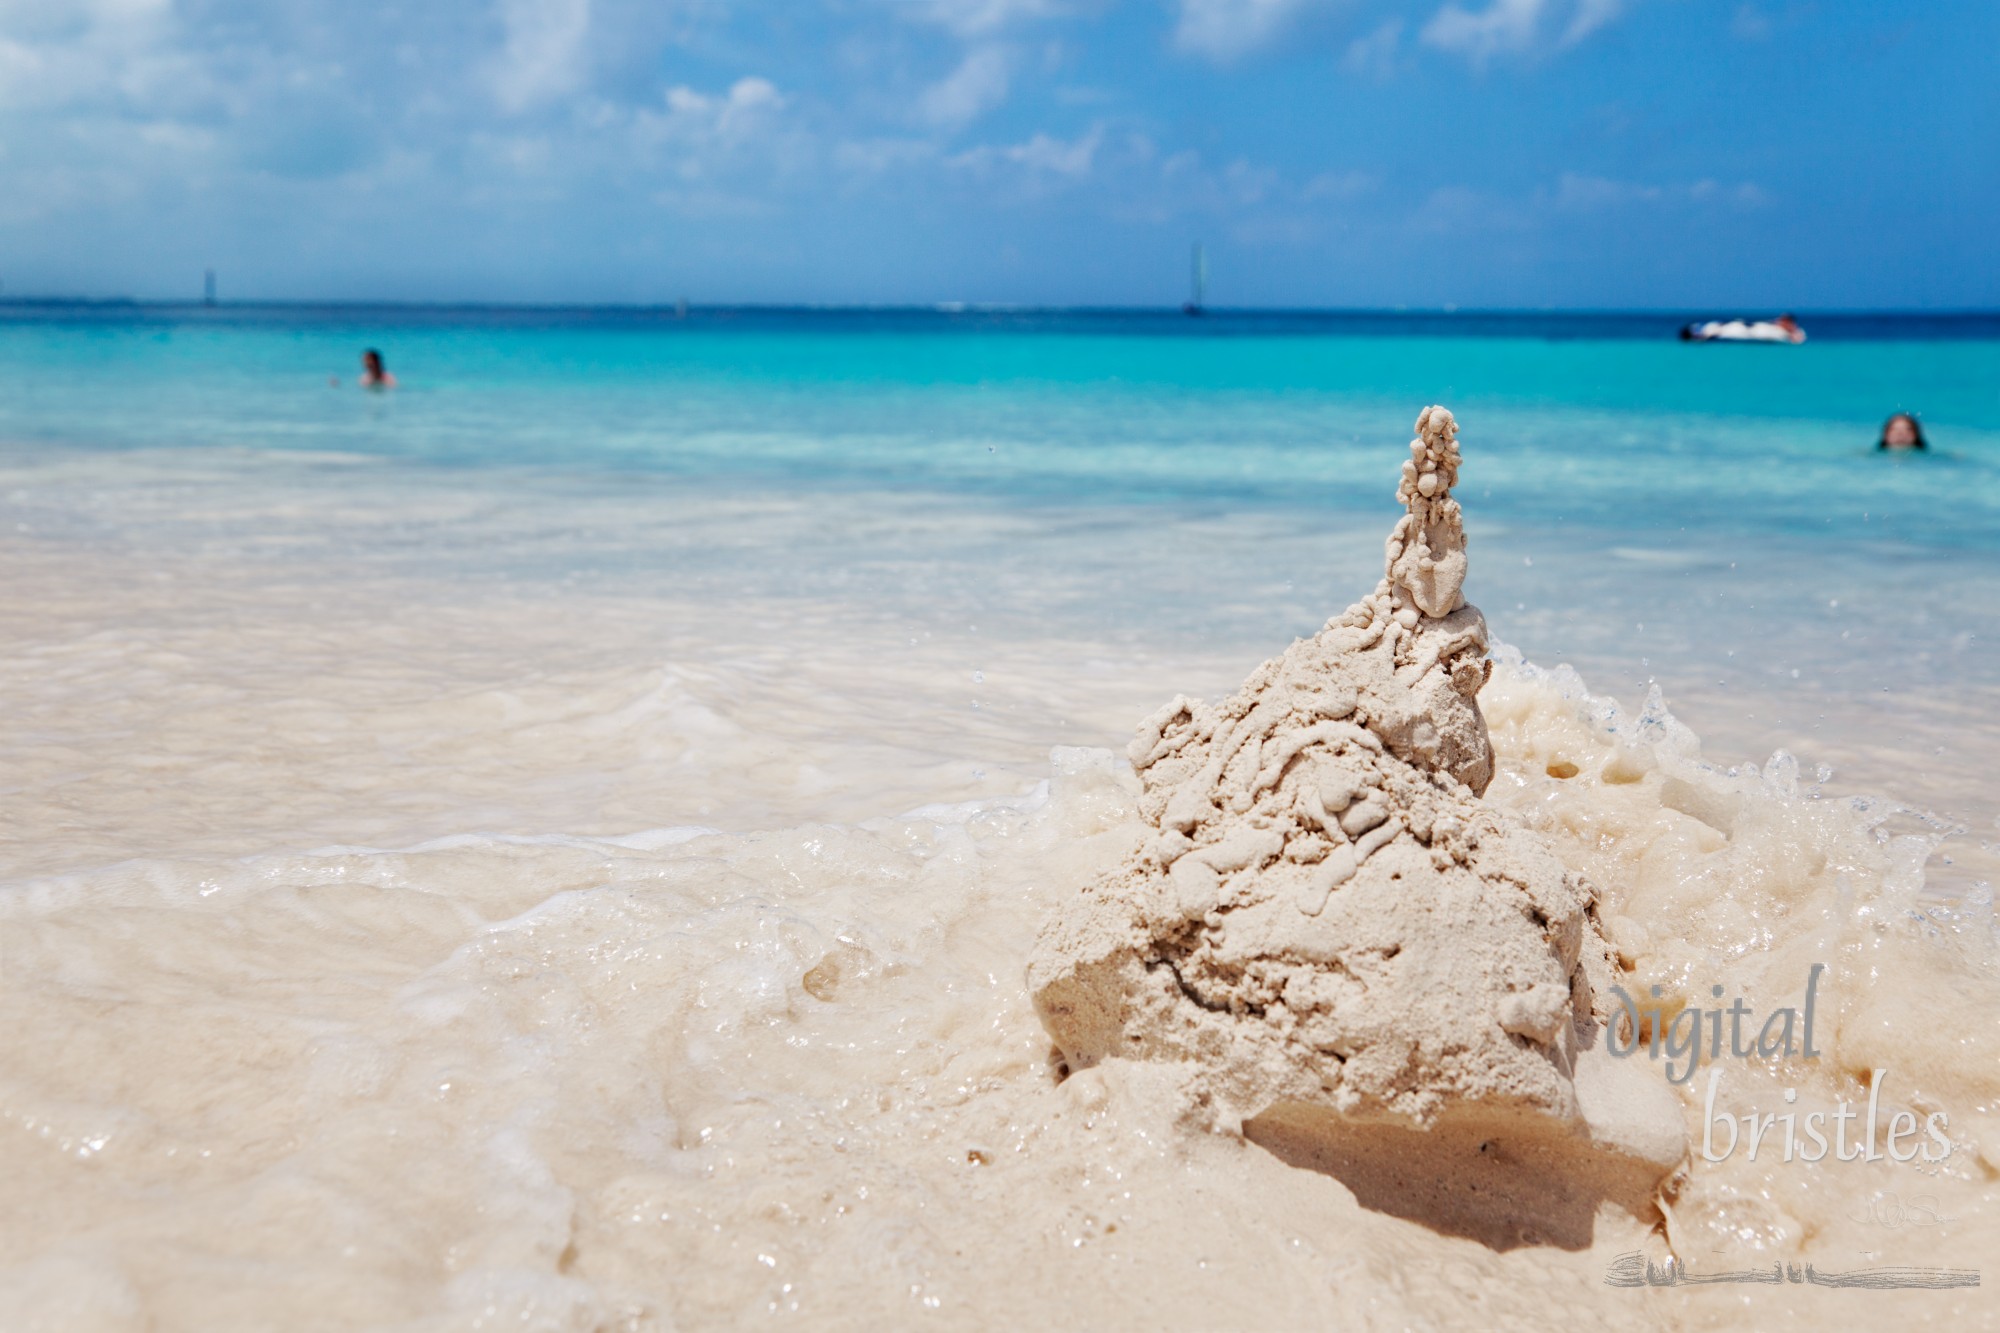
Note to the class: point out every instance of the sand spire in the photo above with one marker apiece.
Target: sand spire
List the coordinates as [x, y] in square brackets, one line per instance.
[1322, 912]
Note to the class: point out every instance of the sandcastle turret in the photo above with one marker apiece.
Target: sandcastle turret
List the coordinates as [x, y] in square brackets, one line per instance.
[1426, 552]
[1323, 912]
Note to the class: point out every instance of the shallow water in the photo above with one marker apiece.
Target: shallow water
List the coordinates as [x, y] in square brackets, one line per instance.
[556, 846]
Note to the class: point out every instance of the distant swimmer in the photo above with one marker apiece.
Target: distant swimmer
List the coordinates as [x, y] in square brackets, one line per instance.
[375, 375]
[1783, 329]
[1901, 432]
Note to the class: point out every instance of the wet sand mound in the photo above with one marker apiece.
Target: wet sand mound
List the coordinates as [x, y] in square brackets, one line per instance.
[1350, 955]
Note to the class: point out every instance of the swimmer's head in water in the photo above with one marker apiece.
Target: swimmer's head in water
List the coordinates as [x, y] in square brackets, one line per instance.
[371, 363]
[1901, 431]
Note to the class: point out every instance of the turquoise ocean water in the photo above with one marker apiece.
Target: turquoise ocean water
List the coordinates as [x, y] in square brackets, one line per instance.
[1712, 518]
[1578, 419]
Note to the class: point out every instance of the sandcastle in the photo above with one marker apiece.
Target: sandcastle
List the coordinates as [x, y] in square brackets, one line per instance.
[1324, 918]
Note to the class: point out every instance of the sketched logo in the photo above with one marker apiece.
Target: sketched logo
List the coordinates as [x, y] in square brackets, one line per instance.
[1635, 1270]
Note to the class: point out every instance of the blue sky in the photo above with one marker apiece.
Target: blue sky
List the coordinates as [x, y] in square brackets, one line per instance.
[1518, 153]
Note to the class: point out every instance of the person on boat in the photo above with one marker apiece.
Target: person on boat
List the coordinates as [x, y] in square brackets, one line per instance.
[375, 375]
[1901, 432]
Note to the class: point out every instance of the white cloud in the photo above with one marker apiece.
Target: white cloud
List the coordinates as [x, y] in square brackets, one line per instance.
[977, 86]
[1750, 24]
[1226, 29]
[1042, 155]
[702, 136]
[1508, 27]
[112, 53]
[1744, 194]
[1247, 182]
[1241, 193]
[718, 155]
[748, 103]
[875, 157]
[1504, 25]
[1275, 229]
[1338, 185]
[1461, 210]
[1589, 17]
[1080, 95]
[1577, 192]
[543, 56]
[1374, 53]
[973, 18]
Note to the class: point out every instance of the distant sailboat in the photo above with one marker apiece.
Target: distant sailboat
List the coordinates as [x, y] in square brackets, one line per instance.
[1199, 301]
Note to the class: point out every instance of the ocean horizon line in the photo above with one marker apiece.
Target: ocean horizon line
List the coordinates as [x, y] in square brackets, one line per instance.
[987, 307]
[968, 318]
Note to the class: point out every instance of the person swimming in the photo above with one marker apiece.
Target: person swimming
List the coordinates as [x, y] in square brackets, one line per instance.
[375, 375]
[1901, 432]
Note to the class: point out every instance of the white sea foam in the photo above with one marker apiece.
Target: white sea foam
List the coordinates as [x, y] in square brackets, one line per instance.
[401, 951]
[686, 1076]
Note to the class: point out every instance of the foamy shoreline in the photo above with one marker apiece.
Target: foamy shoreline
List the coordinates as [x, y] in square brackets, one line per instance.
[552, 1072]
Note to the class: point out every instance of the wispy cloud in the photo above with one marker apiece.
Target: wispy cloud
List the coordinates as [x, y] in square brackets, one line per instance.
[1042, 155]
[1227, 29]
[114, 53]
[976, 18]
[977, 86]
[749, 102]
[1576, 199]
[1339, 185]
[1460, 210]
[1578, 192]
[1750, 24]
[543, 56]
[1582, 193]
[877, 157]
[1374, 53]
[1590, 15]
[697, 136]
[143, 139]
[1504, 25]
[1508, 27]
